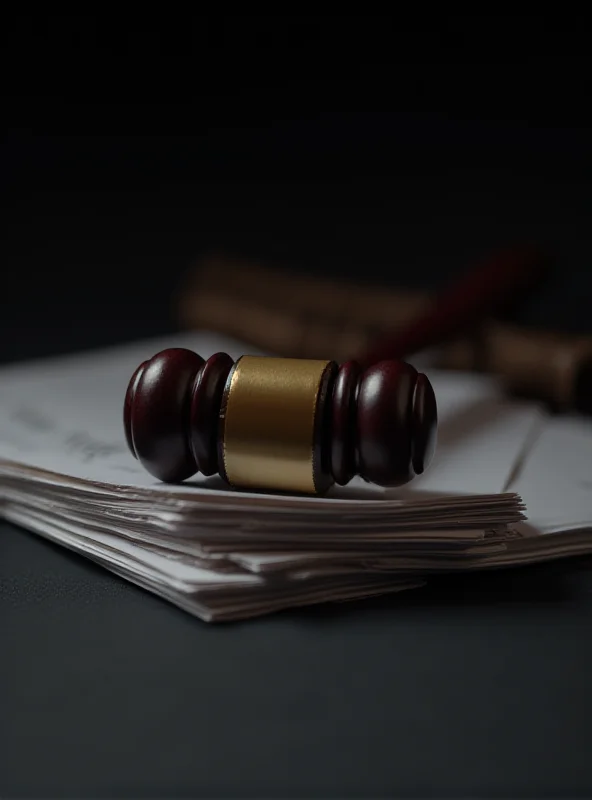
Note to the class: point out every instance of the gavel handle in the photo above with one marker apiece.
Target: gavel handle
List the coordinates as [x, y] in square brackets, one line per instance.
[477, 295]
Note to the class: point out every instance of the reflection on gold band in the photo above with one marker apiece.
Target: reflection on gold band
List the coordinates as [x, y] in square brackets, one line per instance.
[269, 423]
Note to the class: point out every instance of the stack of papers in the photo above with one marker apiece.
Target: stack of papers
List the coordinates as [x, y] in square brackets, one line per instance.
[508, 485]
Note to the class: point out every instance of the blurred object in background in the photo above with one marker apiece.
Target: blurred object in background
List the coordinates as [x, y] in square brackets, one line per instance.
[487, 289]
[291, 314]
[303, 316]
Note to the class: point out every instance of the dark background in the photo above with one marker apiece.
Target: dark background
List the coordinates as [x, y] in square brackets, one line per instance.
[401, 147]
[396, 148]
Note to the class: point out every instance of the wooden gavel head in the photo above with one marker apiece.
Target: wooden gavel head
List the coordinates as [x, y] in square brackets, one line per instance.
[279, 424]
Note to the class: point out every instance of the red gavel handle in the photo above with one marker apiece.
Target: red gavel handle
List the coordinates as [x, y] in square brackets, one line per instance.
[477, 295]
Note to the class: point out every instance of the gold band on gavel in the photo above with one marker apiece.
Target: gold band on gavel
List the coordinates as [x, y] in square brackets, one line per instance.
[269, 421]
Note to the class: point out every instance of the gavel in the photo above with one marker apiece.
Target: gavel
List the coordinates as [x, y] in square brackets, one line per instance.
[280, 424]
[304, 315]
[302, 425]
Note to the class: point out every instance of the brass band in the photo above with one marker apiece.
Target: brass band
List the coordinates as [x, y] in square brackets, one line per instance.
[269, 423]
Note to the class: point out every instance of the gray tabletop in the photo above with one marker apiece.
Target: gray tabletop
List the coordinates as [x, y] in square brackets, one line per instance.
[478, 686]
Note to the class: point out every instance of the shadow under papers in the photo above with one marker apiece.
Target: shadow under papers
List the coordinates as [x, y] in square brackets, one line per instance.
[564, 584]
[538, 587]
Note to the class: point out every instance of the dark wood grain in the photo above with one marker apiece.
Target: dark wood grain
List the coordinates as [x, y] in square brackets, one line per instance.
[384, 417]
[206, 399]
[379, 423]
[157, 411]
[128, 405]
[321, 453]
[424, 414]
[343, 430]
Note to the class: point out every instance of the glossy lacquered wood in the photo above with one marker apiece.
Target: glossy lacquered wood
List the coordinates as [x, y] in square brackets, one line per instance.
[379, 423]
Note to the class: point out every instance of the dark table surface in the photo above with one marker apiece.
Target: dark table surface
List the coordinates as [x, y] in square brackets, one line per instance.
[476, 686]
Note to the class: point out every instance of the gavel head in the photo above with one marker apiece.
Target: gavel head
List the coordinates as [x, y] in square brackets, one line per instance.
[279, 424]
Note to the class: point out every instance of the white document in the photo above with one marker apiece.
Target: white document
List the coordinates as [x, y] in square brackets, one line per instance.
[556, 479]
[66, 473]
